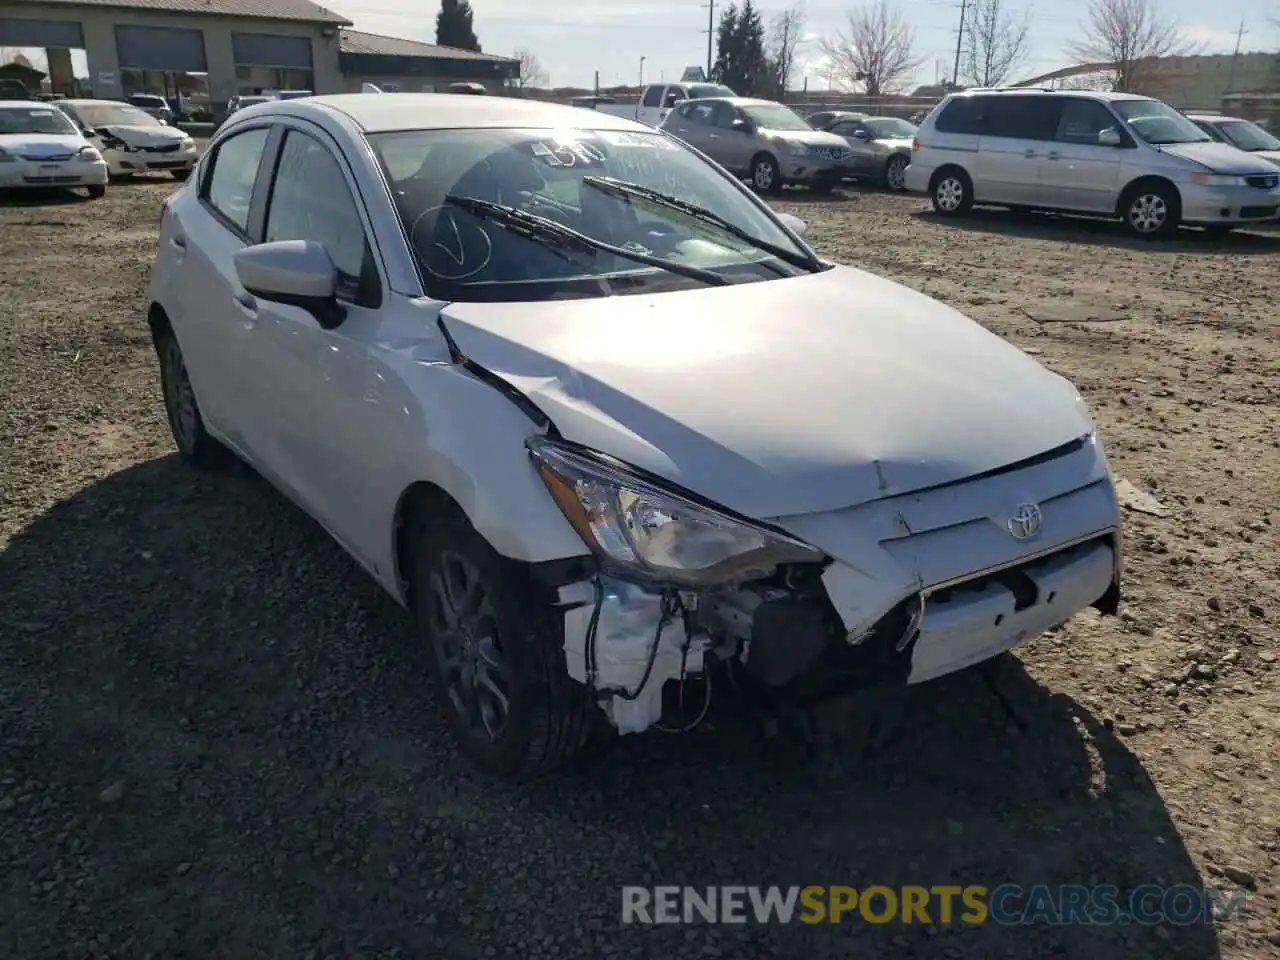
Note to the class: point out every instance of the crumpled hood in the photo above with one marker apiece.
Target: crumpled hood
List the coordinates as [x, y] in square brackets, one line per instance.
[779, 397]
[33, 146]
[144, 136]
[1220, 158]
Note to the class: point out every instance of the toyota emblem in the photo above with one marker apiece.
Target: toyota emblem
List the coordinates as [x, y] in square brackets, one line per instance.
[1025, 521]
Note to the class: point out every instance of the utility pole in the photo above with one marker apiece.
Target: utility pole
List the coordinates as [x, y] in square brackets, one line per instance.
[711, 34]
[1235, 57]
[955, 73]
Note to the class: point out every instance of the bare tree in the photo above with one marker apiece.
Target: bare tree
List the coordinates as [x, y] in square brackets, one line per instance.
[1131, 34]
[8, 55]
[532, 74]
[995, 43]
[876, 50]
[785, 33]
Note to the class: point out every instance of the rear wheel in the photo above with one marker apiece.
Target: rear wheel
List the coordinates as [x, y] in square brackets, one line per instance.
[895, 172]
[96, 191]
[496, 652]
[194, 443]
[952, 193]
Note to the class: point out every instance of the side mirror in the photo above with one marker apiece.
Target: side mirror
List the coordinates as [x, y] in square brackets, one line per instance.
[295, 272]
[794, 224]
[89, 131]
[861, 135]
[1109, 137]
[742, 126]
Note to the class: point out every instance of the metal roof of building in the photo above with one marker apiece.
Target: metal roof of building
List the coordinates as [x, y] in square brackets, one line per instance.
[373, 44]
[296, 10]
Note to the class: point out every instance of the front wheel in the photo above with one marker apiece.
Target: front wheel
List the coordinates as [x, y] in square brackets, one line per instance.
[495, 645]
[765, 175]
[952, 194]
[895, 173]
[96, 191]
[1152, 212]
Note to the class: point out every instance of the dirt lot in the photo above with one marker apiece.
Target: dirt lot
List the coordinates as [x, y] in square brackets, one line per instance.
[216, 738]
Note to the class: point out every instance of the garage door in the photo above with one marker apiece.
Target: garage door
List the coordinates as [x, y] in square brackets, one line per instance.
[41, 33]
[268, 50]
[160, 48]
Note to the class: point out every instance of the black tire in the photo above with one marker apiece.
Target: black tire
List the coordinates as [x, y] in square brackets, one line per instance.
[765, 175]
[1219, 229]
[895, 172]
[96, 191]
[951, 193]
[186, 422]
[1151, 211]
[180, 175]
[547, 720]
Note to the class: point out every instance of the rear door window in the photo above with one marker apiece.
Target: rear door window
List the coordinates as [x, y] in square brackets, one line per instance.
[1022, 117]
[652, 97]
[961, 115]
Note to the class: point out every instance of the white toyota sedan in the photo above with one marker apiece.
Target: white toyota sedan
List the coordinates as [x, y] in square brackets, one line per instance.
[606, 424]
[41, 148]
[131, 140]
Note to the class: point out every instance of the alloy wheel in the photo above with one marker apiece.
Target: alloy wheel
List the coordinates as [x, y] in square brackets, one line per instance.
[897, 174]
[764, 176]
[180, 398]
[468, 648]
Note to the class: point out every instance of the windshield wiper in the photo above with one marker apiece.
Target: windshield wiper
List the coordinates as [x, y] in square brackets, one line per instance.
[634, 191]
[556, 236]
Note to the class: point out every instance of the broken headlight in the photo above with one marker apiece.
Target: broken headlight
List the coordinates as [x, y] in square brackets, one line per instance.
[640, 528]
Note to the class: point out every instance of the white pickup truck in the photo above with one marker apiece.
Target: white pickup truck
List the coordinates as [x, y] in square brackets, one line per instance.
[657, 99]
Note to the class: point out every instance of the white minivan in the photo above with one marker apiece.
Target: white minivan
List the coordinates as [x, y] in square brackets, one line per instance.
[1109, 154]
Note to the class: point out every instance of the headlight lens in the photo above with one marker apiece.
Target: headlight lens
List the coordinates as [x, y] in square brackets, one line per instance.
[798, 149]
[655, 534]
[6, 156]
[1216, 180]
[89, 153]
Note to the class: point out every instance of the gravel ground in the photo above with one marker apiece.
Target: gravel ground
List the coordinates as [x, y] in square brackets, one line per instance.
[216, 738]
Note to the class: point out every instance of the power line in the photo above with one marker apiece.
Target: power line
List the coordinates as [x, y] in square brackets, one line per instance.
[955, 74]
[711, 26]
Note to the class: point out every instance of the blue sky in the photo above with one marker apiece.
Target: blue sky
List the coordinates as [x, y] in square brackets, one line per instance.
[572, 39]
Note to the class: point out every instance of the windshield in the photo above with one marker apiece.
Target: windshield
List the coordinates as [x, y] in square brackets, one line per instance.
[889, 128]
[775, 116]
[145, 100]
[35, 120]
[1159, 123]
[1248, 136]
[107, 114]
[463, 256]
[697, 91]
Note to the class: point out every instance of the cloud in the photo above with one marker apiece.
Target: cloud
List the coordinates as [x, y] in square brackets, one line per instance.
[1210, 39]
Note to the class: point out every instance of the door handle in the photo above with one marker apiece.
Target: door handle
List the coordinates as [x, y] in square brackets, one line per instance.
[1029, 154]
[715, 136]
[1053, 155]
[246, 303]
[179, 242]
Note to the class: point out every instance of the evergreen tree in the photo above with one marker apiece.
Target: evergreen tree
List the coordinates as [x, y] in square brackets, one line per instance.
[741, 62]
[454, 26]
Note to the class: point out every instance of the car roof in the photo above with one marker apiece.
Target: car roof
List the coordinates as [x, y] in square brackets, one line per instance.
[1037, 92]
[1211, 117]
[37, 104]
[385, 112]
[89, 102]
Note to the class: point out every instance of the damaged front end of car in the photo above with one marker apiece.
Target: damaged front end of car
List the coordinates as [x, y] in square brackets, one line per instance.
[682, 588]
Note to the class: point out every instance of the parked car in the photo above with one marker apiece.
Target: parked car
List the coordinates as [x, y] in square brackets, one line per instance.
[154, 104]
[414, 315]
[240, 101]
[762, 140]
[823, 119]
[1108, 154]
[881, 147]
[131, 140]
[41, 148]
[658, 99]
[1241, 134]
[11, 89]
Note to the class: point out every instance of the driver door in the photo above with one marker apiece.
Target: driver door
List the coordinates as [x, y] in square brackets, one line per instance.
[324, 436]
[737, 145]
